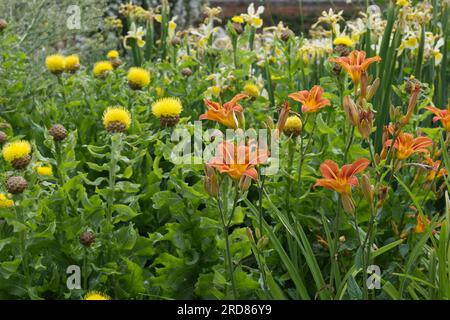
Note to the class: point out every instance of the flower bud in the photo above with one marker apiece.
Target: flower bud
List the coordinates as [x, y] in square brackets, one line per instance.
[365, 123]
[87, 238]
[367, 188]
[245, 183]
[249, 233]
[262, 243]
[372, 90]
[210, 182]
[382, 196]
[351, 110]
[3, 24]
[348, 204]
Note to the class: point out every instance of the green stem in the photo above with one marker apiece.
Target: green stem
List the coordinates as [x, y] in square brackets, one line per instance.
[349, 143]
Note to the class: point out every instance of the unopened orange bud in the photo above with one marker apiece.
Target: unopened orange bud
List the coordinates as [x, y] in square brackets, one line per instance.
[372, 90]
[244, 183]
[210, 182]
[367, 188]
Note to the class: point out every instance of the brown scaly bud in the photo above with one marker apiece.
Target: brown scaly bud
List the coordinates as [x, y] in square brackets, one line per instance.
[116, 127]
[342, 50]
[176, 41]
[336, 70]
[413, 85]
[238, 28]
[3, 137]
[21, 163]
[351, 111]
[116, 62]
[87, 238]
[186, 72]
[169, 121]
[210, 181]
[367, 188]
[3, 24]
[16, 184]
[58, 132]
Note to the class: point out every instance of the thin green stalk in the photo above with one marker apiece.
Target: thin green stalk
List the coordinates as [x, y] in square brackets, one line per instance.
[334, 274]
[349, 143]
[229, 262]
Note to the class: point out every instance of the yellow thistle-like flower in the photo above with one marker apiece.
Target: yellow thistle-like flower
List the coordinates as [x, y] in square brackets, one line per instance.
[56, 63]
[72, 63]
[16, 150]
[46, 170]
[138, 78]
[344, 41]
[102, 68]
[252, 90]
[402, 3]
[238, 19]
[96, 295]
[5, 202]
[167, 107]
[113, 54]
[116, 119]
[293, 125]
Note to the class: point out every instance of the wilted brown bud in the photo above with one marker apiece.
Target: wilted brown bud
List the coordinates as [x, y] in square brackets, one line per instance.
[347, 203]
[411, 106]
[283, 115]
[3, 137]
[382, 195]
[286, 34]
[186, 72]
[413, 85]
[238, 28]
[363, 85]
[351, 111]
[367, 188]
[3, 24]
[176, 41]
[116, 62]
[210, 181]
[365, 123]
[245, 183]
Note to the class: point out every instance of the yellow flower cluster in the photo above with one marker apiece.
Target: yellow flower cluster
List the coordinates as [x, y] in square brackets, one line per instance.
[102, 68]
[138, 78]
[58, 63]
[167, 107]
[5, 202]
[16, 150]
[96, 295]
[116, 115]
[45, 170]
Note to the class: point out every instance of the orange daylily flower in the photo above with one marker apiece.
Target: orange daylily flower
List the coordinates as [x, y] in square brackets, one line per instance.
[442, 115]
[226, 114]
[434, 166]
[341, 180]
[355, 64]
[421, 226]
[238, 160]
[406, 145]
[312, 100]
